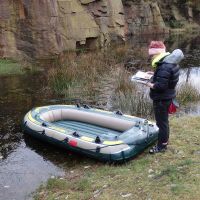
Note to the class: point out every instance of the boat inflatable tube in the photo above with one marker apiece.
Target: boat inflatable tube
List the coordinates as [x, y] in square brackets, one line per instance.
[96, 133]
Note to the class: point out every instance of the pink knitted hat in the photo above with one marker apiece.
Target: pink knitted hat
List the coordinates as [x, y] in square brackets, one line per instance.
[156, 47]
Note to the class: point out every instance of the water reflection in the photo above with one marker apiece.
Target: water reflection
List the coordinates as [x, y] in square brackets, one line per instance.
[17, 95]
[21, 172]
[191, 75]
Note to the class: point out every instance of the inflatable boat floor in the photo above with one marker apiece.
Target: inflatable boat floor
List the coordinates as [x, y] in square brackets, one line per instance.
[88, 129]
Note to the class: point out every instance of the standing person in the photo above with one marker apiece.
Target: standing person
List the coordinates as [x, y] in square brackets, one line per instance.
[162, 88]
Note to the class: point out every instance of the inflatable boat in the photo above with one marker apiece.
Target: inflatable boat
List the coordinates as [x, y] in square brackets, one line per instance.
[107, 136]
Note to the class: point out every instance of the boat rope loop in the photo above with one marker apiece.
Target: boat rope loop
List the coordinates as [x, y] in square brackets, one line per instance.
[98, 148]
[44, 124]
[118, 112]
[43, 132]
[66, 140]
[25, 123]
[24, 126]
[98, 140]
[86, 106]
[78, 105]
[123, 156]
[75, 134]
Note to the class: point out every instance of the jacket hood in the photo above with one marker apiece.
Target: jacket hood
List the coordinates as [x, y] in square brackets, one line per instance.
[175, 57]
[158, 58]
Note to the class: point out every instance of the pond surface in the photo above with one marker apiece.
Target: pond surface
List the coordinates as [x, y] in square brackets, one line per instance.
[25, 162]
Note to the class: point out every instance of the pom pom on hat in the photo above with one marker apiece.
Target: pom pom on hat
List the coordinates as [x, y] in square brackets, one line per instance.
[156, 47]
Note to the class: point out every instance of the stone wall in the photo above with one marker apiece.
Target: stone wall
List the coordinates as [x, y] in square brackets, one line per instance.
[44, 28]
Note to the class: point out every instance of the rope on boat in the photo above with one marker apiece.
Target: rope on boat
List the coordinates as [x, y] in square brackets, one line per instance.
[97, 140]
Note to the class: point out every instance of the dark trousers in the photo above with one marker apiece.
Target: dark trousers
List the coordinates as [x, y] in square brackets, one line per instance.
[161, 116]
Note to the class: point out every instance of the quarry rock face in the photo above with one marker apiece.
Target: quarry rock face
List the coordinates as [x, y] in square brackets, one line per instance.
[44, 28]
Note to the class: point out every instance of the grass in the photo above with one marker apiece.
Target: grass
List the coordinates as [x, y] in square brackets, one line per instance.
[170, 175]
[8, 67]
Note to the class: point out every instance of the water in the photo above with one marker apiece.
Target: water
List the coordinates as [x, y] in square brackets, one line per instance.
[191, 75]
[25, 162]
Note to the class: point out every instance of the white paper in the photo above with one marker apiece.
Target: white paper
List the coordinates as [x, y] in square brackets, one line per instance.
[141, 77]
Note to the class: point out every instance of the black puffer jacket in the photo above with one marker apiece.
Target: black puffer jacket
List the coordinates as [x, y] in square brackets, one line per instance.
[166, 77]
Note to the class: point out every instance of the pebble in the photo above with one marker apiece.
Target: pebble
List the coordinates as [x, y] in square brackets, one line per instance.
[71, 172]
[197, 152]
[1, 157]
[97, 193]
[6, 186]
[86, 167]
[173, 185]
[126, 195]
[151, 176]
[52, 177]
[150, 171]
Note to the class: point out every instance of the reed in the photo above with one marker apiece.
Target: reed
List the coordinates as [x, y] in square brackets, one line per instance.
[187, 93]
[80, 71]
[131, 98]
[100, 77]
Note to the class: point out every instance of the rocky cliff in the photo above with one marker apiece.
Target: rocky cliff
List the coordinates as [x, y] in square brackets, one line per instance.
[42, 28]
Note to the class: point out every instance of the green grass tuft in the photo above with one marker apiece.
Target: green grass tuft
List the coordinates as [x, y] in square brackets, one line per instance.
[8, 67]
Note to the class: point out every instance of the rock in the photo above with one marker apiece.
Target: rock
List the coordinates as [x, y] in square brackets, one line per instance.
[86, 1]
[41, 29]
[46, 28]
